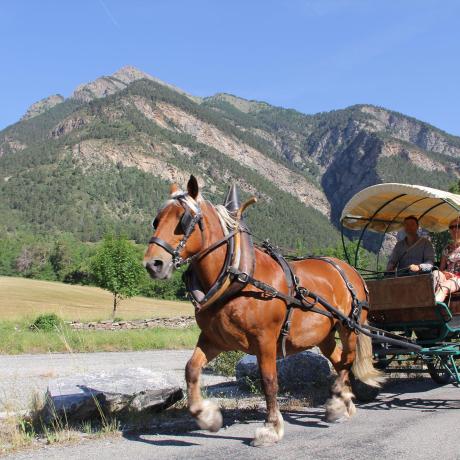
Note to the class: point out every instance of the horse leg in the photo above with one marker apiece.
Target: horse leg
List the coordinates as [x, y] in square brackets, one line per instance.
[206, 412]
[273, 429]
[340, 404]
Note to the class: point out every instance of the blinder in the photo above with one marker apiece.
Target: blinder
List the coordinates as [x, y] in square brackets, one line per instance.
[186, 221]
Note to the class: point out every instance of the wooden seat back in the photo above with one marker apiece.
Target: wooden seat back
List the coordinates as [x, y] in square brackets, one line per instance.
[408, 299]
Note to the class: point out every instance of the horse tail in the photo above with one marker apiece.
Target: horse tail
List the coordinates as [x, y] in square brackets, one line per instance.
[363, 368]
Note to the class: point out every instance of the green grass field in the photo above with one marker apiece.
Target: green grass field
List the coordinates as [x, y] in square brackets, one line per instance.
[27, 298]
[16, 338]
[22, 300]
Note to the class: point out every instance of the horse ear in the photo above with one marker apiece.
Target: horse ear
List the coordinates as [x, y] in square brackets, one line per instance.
[173, 188]
[192, 187]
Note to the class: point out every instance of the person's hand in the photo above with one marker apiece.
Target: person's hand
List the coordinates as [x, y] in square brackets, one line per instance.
[414, 268]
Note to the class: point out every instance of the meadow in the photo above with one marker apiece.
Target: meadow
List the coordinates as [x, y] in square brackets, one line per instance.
[27, 298]
[22, 300]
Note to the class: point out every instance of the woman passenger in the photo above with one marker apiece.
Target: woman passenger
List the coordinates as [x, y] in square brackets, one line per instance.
[447, 278]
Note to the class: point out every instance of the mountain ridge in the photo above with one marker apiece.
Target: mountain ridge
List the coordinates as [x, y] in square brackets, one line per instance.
[134, 129]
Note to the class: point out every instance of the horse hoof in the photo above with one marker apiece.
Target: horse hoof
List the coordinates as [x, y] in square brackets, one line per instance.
[270, 433]
[351, 408]
[336, 410]
[209, 416]
[265, 436]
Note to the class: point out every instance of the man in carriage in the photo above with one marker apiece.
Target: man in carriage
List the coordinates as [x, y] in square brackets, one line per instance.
[414, 253]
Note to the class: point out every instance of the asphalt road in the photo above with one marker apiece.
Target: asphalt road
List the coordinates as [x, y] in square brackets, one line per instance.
[411, 419]
[22, 375]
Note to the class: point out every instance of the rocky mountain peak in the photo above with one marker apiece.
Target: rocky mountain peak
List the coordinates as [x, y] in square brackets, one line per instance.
[107, 85]
[42, 106]
[128, 74]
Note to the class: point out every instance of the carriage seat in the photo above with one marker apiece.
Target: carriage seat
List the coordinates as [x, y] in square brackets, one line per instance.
[408, 304]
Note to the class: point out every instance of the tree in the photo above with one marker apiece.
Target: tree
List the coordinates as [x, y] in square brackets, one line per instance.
[116, 267]
[60, 258]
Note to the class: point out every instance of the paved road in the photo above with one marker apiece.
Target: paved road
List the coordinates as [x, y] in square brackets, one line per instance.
[21, 375]
[411, 419]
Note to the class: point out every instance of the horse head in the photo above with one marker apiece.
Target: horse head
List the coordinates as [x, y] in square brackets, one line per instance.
[175, 237]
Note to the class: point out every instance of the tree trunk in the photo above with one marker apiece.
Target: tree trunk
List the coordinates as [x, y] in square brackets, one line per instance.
[115, 303]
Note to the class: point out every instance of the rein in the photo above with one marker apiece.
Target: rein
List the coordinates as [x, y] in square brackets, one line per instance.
[233, 278]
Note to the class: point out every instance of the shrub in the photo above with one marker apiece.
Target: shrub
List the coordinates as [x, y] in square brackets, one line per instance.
[226, 362]
[46, 322]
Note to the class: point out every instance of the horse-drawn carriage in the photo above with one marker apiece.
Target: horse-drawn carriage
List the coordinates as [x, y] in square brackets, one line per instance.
[406, 305]
[249, 297]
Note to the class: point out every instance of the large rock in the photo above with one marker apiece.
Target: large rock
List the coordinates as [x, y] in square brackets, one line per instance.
[121, 392]
[303, 372]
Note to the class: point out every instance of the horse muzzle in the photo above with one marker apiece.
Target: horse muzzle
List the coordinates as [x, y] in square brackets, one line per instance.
[159, 269]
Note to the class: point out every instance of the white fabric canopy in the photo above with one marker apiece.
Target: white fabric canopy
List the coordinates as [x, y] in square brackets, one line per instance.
[382, 203]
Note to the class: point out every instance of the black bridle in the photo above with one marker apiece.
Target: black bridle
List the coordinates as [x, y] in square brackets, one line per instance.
[187, 224]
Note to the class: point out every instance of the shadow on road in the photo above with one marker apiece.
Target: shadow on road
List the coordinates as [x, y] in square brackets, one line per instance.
[394, 392]
[184, 425]
[307, 418]
[179, 422]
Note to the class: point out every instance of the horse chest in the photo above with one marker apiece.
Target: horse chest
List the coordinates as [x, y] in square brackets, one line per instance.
[223, 329]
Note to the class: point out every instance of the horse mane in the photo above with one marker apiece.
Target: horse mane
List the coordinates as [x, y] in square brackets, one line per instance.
[227, 222]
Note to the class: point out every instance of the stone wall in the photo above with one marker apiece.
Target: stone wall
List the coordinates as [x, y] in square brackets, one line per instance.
[109, 325]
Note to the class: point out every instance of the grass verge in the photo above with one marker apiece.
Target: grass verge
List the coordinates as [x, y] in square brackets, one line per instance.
[17, 338]
[28, 431]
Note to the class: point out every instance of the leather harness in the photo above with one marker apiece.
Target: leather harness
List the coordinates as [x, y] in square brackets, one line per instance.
[299, 296]
[232, 279]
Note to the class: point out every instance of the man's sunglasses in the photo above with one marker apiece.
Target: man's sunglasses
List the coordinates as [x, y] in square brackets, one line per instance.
[454, 226]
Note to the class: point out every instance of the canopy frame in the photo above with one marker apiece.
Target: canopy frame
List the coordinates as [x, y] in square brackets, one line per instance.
[422, 194]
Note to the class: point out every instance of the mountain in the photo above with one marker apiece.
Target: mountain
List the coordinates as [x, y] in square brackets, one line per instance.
[42, 106]
[103, 158]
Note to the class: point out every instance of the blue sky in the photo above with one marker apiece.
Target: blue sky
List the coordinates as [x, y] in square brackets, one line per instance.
[311, 55]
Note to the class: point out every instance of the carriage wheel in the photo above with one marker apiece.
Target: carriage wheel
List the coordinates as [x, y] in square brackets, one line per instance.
[438, 370]
[363, 393]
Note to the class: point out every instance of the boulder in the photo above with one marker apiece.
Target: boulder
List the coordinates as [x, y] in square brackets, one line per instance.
[297, 373]
[119, 393]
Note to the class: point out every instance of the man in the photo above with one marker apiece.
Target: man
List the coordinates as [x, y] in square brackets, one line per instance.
[414, 253]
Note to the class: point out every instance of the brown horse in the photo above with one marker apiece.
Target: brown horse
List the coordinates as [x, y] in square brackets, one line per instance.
[251, 322]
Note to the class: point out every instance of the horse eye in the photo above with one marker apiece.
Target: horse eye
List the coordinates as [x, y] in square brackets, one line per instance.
[155, 223]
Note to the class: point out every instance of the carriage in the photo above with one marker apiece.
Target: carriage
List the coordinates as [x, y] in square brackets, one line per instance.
[404, 307]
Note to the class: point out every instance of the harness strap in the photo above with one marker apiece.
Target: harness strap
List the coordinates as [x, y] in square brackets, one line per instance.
[222, 289]
[211, 248]
[299, 296]
[378, 335]
[271, 292]
[163, 244]
[357, 304]
[292, 282]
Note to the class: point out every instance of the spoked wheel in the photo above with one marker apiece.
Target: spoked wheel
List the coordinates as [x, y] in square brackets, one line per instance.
[363, 393]
[437, 368]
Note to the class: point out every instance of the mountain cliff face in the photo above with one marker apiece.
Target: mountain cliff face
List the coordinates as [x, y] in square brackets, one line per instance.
[103, 158]
[42, 106]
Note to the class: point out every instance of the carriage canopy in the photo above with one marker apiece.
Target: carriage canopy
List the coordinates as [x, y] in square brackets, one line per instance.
[383, 207]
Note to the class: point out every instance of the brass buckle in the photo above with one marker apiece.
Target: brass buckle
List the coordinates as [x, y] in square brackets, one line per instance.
[243, 277]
